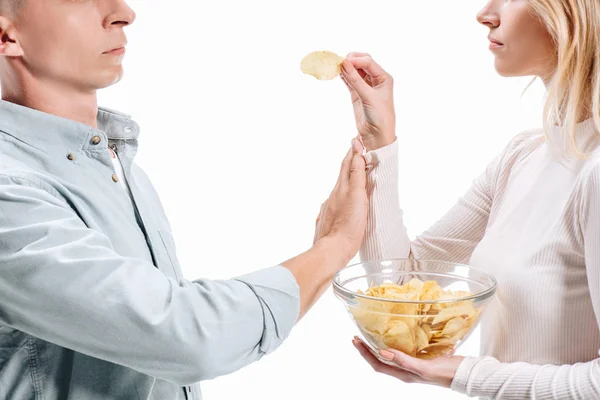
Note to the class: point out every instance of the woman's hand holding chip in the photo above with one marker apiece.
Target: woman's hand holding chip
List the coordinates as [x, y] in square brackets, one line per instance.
[372, 95]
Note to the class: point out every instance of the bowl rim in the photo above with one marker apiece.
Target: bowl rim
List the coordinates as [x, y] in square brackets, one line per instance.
[483, 294]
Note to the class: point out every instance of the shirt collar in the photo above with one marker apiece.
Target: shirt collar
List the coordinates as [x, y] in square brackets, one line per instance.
[586, 137]
[50, 133]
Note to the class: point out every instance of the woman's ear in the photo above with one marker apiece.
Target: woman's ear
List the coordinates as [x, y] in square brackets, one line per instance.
[9, 45]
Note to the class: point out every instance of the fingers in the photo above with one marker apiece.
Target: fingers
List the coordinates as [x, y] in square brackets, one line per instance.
[344, 176]
[404, 361]
[355, 81]
[352, 91]
[380, 367]
[367, 64]
[358, 173]
[353, 172]
[364, 148]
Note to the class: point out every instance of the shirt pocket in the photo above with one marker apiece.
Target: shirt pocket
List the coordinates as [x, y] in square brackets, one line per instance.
[169, 253]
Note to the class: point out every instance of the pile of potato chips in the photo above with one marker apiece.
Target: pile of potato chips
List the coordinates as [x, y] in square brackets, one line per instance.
[420, 330]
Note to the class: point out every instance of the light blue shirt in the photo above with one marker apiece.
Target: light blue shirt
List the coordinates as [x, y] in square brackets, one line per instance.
[93, 304]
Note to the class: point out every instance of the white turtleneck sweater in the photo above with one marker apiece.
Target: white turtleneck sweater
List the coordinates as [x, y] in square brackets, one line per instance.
[532, 219]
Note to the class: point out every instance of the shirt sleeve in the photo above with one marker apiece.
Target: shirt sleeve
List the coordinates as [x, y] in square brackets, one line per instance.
[489, 378]
[485, 376]
[64, 283]
[453, 238]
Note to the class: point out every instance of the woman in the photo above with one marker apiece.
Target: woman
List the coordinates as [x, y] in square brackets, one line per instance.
[532, 218]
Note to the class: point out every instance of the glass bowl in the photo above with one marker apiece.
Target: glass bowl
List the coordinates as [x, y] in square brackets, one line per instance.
[434, 310]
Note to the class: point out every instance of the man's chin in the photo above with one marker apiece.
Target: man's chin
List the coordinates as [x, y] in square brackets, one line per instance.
[110, 79]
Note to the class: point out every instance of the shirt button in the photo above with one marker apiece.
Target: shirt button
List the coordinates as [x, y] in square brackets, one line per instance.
[96, 140]
[70, 156]
[115, 178]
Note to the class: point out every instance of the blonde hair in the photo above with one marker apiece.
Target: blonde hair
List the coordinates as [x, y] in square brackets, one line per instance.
[573, 93]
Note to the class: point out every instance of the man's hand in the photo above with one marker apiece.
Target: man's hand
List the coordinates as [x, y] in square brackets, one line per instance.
[339, 232]
[343, 217]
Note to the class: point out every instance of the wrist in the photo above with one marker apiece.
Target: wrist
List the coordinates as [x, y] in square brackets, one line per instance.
[462, 373]
[333, 252]
[375, 142]
[449, 373]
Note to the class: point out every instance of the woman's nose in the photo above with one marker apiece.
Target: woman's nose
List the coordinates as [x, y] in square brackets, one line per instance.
[489, 16]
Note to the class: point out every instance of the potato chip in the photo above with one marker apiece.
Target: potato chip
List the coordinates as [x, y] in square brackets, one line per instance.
[369, 318]
[421, 330]
[436, 350]
[415, 284]
[454, 326]
[447, 314]
[431, 291]
[460, 293]
[421, 338]
[428, 331]
[323, 65]
[400, 337]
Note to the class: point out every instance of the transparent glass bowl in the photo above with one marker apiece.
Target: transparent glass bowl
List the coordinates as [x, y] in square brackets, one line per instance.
[414, 323]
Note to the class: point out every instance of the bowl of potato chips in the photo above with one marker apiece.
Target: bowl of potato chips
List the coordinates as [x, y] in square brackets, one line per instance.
[423, 308]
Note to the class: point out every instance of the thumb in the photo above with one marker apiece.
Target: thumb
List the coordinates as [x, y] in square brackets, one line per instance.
[358, 173]
[355, 81]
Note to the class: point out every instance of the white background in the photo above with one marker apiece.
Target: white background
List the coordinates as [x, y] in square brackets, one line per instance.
[243, 148]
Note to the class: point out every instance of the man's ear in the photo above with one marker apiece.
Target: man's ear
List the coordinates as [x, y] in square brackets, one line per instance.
[9, 45]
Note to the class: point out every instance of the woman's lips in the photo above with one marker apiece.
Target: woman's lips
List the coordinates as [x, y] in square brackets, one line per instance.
[494, 44]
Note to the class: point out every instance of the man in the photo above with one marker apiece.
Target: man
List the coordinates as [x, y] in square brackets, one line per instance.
[92, 301]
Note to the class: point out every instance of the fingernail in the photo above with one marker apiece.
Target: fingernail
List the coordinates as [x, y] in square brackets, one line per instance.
[361, 142]
[388, 355]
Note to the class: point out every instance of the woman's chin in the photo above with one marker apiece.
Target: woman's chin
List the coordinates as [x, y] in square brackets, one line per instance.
[507, 71]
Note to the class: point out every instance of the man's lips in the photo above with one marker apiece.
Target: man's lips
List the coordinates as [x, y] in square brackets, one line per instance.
[116, 50]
